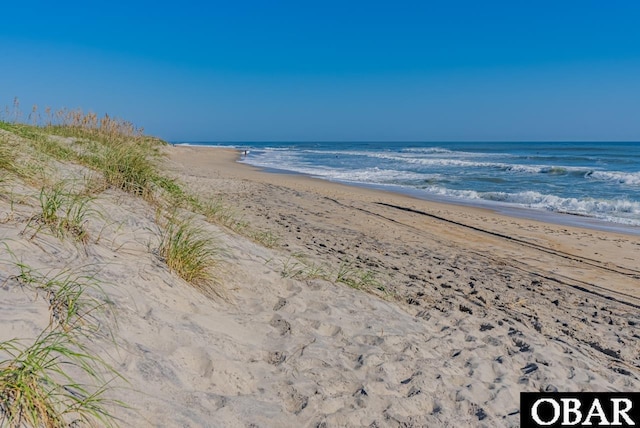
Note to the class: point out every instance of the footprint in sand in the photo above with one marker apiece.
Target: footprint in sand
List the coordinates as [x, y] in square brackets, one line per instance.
[281, 325]
[279, 304]
[367, 339]
[194, 360]
[324, 329]
[276, 357]
[296, 402]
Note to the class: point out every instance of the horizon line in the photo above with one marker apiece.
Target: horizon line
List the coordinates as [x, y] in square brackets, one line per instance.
[397, 141]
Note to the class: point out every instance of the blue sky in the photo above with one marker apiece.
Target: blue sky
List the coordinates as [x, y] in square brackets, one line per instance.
[333, 70]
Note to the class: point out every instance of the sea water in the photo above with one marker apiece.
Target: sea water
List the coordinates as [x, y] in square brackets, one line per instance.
[600, 181]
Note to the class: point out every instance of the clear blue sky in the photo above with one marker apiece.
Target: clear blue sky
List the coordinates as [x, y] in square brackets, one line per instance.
[333, 70]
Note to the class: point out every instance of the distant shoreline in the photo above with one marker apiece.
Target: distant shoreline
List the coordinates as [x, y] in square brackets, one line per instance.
[557, 218]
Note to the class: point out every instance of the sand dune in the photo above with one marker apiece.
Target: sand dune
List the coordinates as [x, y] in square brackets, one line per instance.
[461, 309]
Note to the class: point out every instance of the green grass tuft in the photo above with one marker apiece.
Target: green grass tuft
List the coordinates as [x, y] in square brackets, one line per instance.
[36, 391]
[54, 381]
[357, 278]
[266, 238]
[65, 213]
[126, 167]
[189, 252]
[297, 267]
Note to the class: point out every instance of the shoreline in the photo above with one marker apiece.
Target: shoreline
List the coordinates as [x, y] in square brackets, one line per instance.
[525, 213]
[551, 212]
[604, 247]
[511, 210]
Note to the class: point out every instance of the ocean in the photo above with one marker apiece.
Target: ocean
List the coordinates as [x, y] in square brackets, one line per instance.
[597, 183]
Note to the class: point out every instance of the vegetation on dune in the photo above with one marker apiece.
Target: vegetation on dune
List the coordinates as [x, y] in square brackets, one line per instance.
[297, 267]
[54, 380]
[37, 390]
[65, 213]
[71, 305]
[358, 278]
[190, 252]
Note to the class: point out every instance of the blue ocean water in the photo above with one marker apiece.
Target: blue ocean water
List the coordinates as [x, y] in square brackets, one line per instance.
[596, 180]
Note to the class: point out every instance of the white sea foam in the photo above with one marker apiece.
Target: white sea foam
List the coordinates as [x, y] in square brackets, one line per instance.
[619, 211]
[628, 178]
[509, 167]
[378, 175]
[585, 189]
[413, 151]
[211, 145]
[276, 158]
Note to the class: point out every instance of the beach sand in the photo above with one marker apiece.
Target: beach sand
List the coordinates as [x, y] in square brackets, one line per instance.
[460, 310]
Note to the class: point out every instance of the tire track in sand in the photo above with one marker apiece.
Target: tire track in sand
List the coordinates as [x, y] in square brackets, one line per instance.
[579, 272]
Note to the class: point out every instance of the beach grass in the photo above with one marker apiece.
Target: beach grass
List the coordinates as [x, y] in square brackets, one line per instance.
[266, 238]
[65, 292]
[16, 158]
[64, 213]
[361, 279]
[127, 168]
[297, 267]
[40, 140]
[54, 380]
[217, 211]
[114, 147]
[37, 390]
[8, 151]
[189, 251]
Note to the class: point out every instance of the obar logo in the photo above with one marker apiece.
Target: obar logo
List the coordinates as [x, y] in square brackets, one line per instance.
[583, 409]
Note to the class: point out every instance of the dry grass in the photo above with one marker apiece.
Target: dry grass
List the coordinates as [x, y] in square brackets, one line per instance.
[17, 158]
[112, 146]
[348, 273]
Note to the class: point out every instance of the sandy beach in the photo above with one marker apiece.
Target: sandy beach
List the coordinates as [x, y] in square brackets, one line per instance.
[370, 308]
[502, 305]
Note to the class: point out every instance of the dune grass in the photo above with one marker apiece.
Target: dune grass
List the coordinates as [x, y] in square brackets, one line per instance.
[8, 151]
[112, 146]
[65, 213]
[189, 251]
[127, 168]
[266, 238]
[348, 273]
[54, 380]
[15, 159]
[37, 390]
[70, 306]
[126, 159]
[296, 267]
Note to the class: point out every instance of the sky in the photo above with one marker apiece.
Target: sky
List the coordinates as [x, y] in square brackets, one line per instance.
[333, 70]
